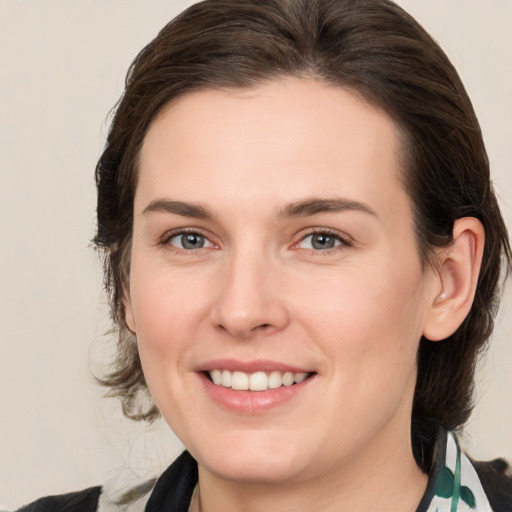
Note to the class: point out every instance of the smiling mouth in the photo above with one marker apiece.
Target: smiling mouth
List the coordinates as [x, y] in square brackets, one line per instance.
[257, 381]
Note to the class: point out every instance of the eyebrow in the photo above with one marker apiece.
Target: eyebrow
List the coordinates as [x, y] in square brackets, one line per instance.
[178, 208]
[314, 206]
[303, 208]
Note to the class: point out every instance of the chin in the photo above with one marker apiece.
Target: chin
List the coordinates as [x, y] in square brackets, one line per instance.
[260, 459]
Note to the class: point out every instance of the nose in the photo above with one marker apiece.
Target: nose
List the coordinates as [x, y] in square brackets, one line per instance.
[250, 301]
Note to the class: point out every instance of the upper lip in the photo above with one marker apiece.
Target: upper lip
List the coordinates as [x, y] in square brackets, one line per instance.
[256, 365]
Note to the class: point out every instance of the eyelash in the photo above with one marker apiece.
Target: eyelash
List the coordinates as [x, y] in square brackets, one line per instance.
[344, 241]
[166, 239]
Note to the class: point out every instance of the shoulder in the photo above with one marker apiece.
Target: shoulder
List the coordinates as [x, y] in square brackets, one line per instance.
[126, 492]
[83, 501]
[496, 483]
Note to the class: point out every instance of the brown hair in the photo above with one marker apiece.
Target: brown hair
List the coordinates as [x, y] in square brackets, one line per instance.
[369, 46]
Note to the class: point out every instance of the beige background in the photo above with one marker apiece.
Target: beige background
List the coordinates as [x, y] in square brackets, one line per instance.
[62, 67]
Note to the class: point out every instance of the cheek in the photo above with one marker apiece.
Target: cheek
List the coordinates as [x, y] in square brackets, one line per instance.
[367, 318]
[166, 309]
[165, 314]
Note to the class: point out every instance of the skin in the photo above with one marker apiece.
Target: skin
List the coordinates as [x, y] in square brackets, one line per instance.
[258, 289]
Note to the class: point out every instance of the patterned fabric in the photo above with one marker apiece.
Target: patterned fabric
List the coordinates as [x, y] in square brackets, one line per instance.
[454, 481]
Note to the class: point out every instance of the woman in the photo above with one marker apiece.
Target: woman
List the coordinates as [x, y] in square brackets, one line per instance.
[303, 252]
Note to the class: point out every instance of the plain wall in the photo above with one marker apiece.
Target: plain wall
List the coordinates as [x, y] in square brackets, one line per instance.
[62, 67]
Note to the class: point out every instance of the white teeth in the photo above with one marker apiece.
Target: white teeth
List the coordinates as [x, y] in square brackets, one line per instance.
[258, 381]
[275, 380]
[240, 381]
[299, 377]
[216, 376]
[288, 379]
[226, 379]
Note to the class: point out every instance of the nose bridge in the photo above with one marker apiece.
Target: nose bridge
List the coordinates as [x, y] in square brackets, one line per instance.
[248, 300]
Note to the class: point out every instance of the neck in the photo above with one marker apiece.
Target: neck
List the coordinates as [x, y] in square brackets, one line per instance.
[376, 481]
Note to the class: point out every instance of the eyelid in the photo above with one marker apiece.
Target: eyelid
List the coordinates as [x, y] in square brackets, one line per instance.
[346, 241]
[165, 239]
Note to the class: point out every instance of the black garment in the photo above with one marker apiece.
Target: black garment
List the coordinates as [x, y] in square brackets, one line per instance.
[173, 490]
[84, 501]
[496, 484]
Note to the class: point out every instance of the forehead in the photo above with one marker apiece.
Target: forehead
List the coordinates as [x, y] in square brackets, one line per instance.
[285, 139]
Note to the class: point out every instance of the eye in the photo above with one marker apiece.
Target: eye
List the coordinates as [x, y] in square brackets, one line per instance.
[321, 241]
[189, 241]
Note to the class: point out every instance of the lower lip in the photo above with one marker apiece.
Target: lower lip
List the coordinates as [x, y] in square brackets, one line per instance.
[252, 402]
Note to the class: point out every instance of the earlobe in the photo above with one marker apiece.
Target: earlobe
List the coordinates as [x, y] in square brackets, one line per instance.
[457, 279]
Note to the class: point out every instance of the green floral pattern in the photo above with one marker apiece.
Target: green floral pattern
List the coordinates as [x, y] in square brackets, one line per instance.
[457, 487]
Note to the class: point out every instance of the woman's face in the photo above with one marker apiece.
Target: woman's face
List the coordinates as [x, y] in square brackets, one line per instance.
[273, 241]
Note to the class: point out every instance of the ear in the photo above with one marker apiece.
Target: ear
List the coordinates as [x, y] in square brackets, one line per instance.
[456, 280]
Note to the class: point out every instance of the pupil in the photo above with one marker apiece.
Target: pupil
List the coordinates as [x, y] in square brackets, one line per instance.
[322, 242]
[192, 241]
